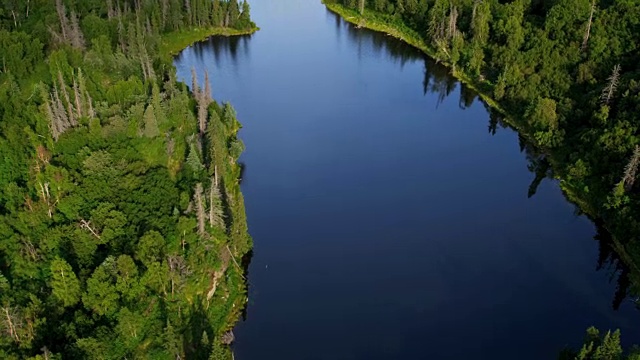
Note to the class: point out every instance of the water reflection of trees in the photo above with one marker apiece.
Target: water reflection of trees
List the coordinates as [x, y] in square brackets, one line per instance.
[222, 46]
[608, 259]
[438, 80]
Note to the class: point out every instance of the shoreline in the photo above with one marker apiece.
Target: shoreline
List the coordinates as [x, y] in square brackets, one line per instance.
[171, 45]
[175, 42]
[410, 37]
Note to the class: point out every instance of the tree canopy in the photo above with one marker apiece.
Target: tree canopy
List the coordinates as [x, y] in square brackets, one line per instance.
[101, 256]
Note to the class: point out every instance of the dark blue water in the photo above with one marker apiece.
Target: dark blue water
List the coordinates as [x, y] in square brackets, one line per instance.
[389, 223]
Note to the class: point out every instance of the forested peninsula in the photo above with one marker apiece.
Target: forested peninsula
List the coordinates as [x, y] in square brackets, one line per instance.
[565, 74]
[122, 225]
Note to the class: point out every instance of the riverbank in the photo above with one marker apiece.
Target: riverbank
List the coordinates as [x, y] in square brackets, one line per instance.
[236, 242]
[173, 43]
[372, 22]
[379, 22]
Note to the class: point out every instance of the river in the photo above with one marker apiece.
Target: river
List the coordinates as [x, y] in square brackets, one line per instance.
[390, 210]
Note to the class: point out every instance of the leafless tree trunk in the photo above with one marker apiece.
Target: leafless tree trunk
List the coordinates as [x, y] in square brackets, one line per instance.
[110, 11]
[452, 30]
[86, 225]
[178, 270]
[11, 322]
[612, 85]
[631, 169]
[58, 115]
[200, 210]
[187, 6]
[165, 12]
[207, 87]
[15, 21]
[194, 82]
[203, 99]
[216, 214]
[361, 6]
[475, 9]
[70, 111]
[62, 16]
[91, 113]
[78, 99]
[46, 196]
[587, 33]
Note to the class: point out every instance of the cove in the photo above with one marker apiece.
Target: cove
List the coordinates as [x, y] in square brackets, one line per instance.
[390, 209]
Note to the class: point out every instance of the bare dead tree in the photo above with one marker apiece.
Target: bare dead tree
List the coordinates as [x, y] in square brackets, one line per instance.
[452, 29]
[86, 100]
[171, 145]
[216, 213]
[70, 111]
[11, 322]
[207, 87]
[15, 19]
[62, 17]
[187, 6]
[361, 4]
[70, 31]
[91, 113]
[78, 98]
[203, 99]
[86, 225]
[194, 82]
[165, 12]
[111, 13]
[587, 32]
[46, 197]
[612, 85]
[29, 250]
[631, 169]
[45, 352]
[178, 271]
[200, 210]
[76, 37]
[121, 37]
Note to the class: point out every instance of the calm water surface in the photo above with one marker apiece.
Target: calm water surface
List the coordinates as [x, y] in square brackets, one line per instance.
[389, 222]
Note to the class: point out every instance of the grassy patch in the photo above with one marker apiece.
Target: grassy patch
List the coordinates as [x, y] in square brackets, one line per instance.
[175, 42]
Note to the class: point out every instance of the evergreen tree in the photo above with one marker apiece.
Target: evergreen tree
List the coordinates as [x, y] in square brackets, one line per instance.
[150, 123]
[65, 284]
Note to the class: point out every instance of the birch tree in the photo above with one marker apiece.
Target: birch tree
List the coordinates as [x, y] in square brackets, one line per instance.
[65, 284]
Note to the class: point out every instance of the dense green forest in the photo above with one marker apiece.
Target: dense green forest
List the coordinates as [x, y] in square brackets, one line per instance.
[122, 225]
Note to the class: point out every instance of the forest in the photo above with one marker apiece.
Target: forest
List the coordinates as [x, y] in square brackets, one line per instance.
[122, 226]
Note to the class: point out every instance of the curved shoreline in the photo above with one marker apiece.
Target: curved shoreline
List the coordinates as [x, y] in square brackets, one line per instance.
[176, 42]
[412, 38]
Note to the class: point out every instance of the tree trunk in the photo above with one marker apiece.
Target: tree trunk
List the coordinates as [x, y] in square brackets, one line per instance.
[588, 30]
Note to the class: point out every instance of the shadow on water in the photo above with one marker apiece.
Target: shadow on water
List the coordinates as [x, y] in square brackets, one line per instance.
[608, 259]
[221, 46]
[438, 79]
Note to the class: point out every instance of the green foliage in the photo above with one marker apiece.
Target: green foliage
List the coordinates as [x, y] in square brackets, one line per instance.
[100, 254]
[597, 347]
[65, 286]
